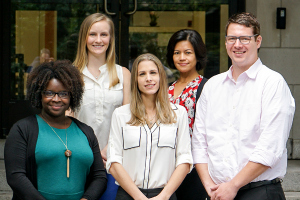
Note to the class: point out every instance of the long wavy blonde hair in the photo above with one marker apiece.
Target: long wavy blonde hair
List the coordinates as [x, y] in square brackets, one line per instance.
[165, 114]
[81, 59]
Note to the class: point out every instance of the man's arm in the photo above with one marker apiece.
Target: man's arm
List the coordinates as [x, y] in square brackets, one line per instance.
[199, 143]
[228, 190]
[208, 183]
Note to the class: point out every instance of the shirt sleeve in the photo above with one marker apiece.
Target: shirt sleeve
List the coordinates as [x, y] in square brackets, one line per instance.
[278, 107]
[183, 149]
[115, 142]
[199, 144]
[15, 157]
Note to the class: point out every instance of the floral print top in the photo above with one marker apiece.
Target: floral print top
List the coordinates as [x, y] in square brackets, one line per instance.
[187, 99]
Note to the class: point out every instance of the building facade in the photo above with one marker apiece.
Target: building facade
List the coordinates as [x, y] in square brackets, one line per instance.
[280, 51]
[35, 30]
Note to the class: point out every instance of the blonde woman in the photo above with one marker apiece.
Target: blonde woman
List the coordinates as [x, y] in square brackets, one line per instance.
[107, 85]
[149, 150]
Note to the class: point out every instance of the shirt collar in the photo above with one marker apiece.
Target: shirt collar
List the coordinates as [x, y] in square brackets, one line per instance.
[173, 106]
[103, 68]
[87, 73]
[251, 72]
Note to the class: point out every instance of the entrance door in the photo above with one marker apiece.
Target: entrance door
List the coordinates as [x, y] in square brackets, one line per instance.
[153, 23]
[34, 31]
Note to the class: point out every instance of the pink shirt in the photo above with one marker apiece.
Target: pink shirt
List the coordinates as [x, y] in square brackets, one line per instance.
[244, 120]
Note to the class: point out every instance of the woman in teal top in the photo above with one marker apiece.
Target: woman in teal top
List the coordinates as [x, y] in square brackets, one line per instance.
[49, 159]
[52, 156]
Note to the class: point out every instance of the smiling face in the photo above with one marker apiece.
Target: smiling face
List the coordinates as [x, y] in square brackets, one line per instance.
[98, 38]
[184, 57]
[242, 55]
[148, 78]
[56, 106]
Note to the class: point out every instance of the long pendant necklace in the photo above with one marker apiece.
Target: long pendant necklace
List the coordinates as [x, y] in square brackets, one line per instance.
[68, 152]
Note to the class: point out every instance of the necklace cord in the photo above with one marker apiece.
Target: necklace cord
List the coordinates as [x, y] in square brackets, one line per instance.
[66, 145]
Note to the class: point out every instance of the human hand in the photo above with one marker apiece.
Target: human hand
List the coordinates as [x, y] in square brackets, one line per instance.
[208, 189]
[161, 196]
[224, 191]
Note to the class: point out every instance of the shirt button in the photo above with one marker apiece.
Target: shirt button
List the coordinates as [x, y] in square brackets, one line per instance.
[227, 179]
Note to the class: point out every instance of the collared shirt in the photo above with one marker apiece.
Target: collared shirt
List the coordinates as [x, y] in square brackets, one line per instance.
[244, 120]
[149, 155]
[187, 99]
[99, 101]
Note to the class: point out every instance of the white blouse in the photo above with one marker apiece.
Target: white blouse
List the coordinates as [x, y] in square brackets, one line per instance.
[99, 101]
[149, 155]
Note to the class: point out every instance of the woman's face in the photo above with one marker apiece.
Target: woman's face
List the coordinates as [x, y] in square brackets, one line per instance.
[98, 38]
[148, 78]
[184, 57]
[57, 105]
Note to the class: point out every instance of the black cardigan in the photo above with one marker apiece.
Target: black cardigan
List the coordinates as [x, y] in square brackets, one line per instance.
[20, 164]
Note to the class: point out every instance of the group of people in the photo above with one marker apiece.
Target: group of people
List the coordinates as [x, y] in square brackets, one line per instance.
[106, 133]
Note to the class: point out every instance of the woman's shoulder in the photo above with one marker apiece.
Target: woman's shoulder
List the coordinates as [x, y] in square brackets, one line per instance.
[79, 123]
[27, 121]
[126, 73]
[24, 126]
[123, 110]
[86, 129]
[119, 68]
[122, 73]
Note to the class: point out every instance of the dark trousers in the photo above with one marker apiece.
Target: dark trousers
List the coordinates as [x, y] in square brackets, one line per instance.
[123, 195]
[191, 188]
[265, 192]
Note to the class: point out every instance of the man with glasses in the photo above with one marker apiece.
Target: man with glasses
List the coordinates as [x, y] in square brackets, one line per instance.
[243, 121]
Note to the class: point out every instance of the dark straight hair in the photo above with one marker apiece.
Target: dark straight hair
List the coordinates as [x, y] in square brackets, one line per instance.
[196, 41]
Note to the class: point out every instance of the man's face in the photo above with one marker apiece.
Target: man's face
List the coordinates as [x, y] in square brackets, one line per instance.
[44, 57]
[242, 55]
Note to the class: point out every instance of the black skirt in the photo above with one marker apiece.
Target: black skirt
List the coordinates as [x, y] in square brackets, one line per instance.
[123, 195]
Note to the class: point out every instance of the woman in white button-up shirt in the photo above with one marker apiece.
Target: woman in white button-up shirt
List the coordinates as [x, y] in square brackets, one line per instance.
[149, 150]
[107, 85]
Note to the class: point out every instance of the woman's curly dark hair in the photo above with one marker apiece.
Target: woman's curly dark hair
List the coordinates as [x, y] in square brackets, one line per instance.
[62, 70]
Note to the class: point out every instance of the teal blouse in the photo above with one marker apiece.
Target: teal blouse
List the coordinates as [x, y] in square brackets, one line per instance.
[51, 162]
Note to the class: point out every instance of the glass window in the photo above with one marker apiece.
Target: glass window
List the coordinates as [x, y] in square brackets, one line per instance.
[43, 31]
[154, 23]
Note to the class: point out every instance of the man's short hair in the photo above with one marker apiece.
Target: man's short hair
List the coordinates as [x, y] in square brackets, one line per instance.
[246, 19]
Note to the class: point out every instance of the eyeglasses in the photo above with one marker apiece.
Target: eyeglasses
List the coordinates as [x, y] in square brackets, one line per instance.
[51, 94]
[243, 39]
